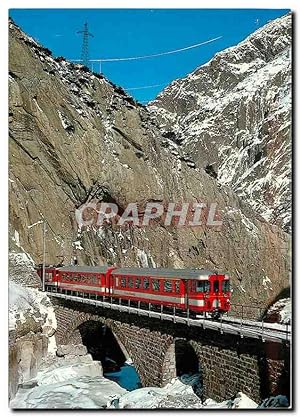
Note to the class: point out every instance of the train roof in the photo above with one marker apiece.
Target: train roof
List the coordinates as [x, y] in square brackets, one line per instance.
[164, 272]
[100, 269]
[142, 272]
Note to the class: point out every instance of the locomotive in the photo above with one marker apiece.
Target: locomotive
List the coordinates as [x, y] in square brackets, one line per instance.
[193, 290]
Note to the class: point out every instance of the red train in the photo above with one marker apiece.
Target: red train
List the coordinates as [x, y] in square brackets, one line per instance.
[194, 289]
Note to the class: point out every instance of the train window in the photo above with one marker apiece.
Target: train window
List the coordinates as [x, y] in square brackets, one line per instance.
[167, 286]
[216, 286]
[155, 285]
[203, 286]
[130, 282]
[146, 283]
[177, 286]
[138, 283]
[226, 286]
[123, 282]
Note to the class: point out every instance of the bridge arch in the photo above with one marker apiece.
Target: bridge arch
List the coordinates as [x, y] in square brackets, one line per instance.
[102, 344]
[186, 359]
[89, 329]
[180, 359]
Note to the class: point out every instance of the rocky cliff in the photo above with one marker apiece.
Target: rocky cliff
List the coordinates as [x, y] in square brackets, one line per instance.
[76, 137]
[232, 117]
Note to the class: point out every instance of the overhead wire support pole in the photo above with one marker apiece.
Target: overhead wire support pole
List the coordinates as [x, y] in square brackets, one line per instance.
[44, 255]
[85, 44]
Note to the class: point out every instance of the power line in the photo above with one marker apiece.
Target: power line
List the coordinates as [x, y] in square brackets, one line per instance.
[143, 87]
[132, 58]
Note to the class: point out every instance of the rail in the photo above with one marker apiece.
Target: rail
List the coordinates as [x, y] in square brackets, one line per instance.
[264, 331]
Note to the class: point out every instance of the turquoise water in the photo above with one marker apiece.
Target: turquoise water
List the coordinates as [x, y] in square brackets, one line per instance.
[127, 377]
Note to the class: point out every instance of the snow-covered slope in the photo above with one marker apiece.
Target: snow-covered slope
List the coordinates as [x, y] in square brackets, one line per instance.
[232, 117]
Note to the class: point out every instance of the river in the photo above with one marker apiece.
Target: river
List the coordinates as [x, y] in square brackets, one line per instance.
[127, 377]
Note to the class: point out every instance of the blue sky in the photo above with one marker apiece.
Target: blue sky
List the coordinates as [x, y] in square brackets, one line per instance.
[135, 32]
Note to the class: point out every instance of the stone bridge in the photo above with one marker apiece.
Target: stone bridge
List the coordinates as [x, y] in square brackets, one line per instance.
[163, 350]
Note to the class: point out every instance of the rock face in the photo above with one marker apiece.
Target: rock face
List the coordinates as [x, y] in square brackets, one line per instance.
[75, 138]
[232, 117]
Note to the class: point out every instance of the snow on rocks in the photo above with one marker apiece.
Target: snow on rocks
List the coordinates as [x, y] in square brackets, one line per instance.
[71, 382]
[78, 393]
[66, 124]
[280, 312]
[77, 382]
[30, 303]
[21, 258]
[176, 395]
[145, 260]
[64, 350]
[60, 369]
[241, 401]
[21, 267]
[173, 395]
[32, 325]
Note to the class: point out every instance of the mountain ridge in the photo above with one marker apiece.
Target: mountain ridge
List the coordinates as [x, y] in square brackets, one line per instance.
[232, 117]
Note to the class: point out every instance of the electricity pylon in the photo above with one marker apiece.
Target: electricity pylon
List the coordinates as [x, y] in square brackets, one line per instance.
[85, 45]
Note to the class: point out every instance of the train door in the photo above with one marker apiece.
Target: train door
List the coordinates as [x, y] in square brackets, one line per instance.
[215, 285]
[109, 282]
[186, 293]
[55, 277]
[215, 291]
